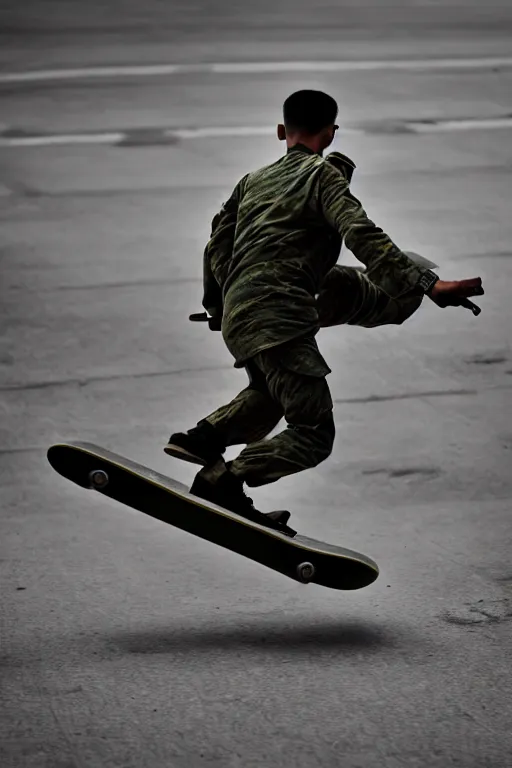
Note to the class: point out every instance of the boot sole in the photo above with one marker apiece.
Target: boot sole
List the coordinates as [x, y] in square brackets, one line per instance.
[184, 455]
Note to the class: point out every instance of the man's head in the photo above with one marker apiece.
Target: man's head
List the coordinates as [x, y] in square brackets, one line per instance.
[309, 119]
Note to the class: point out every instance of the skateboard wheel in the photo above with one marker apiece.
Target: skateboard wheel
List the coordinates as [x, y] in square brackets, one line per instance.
[98, 478]
[305, 572]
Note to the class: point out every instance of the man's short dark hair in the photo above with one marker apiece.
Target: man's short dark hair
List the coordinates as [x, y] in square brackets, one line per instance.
[309, 111]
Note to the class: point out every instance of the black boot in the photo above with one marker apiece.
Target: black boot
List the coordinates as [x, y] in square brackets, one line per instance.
[227, 491]
[200, 445]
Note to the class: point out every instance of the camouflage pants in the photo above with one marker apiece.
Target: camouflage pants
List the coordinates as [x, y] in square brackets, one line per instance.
[286, 381]
[289, 381]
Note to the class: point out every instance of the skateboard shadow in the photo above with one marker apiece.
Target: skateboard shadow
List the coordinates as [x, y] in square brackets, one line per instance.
[277, 636]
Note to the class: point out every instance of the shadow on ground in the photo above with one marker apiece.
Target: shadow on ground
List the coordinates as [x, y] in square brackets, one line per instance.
[272, 637]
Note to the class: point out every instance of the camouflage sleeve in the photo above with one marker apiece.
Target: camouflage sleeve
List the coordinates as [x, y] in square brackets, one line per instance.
[386, 264]
[218, 252]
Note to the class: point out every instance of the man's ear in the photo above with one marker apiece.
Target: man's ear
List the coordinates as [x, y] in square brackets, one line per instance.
[281, 132]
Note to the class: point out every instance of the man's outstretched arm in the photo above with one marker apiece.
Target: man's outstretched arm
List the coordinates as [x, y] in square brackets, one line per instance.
[386, 264]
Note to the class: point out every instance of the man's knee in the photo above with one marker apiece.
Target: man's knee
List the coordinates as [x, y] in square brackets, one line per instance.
[319, 438]
[326, 432]
[408, 305]
[392, 311]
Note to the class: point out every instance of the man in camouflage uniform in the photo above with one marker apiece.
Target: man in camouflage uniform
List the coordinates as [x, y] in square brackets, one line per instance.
[270, 282]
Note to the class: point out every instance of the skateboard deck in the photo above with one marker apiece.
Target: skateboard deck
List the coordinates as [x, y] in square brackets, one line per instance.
[300, 558]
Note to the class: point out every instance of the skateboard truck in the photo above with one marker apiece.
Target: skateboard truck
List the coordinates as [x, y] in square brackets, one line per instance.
[98, 479]
[305, 572]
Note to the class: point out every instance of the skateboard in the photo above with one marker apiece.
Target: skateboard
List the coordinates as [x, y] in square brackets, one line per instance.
[300, 558]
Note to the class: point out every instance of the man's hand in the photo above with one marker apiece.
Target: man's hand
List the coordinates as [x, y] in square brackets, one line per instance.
[455, 293]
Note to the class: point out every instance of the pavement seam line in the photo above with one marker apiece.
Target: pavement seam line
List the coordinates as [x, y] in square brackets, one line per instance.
[86, 380]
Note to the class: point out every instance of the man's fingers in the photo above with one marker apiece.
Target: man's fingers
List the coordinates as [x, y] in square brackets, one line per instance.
[466, 288]
[456, 293]
[469, 305]
[471, 287]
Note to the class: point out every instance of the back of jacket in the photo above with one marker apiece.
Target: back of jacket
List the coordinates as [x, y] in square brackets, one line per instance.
[274, 242]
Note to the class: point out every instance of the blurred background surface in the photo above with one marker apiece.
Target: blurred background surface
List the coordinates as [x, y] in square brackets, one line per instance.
[127, 642]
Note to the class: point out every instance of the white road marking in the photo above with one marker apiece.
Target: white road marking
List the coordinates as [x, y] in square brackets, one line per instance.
[477, 124]
[255, 67]
[360, 66]
[234, 131]
[61, 139]
[131, 136]
[118, 137]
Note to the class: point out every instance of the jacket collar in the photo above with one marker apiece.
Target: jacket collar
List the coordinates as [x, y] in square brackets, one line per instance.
[300, 148]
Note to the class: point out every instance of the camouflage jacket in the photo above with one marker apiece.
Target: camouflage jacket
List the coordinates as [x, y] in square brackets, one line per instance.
[275, 240]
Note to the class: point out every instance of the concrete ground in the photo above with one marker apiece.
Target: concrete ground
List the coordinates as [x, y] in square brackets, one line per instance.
[128, 643]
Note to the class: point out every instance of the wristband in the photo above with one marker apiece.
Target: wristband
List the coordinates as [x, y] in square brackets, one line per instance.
[428, 280]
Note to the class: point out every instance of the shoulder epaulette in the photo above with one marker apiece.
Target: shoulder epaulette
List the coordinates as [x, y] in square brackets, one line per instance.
[343, 163]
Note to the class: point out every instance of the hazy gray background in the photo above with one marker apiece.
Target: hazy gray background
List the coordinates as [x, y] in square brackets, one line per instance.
[129, 643]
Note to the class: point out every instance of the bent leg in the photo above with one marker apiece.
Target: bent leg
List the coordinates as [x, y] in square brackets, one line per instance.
[307, 405]
[250, 416]
[349, 297]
